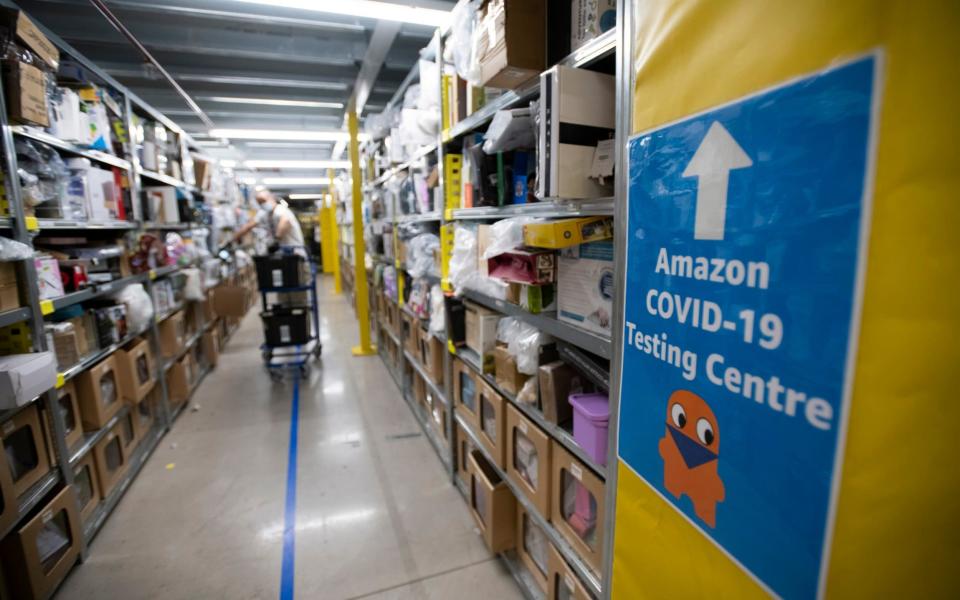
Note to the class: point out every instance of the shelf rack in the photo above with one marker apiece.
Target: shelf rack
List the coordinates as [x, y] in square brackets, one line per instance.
[38, 135]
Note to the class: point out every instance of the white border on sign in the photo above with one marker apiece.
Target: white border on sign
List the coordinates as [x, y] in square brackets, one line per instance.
[866, 212]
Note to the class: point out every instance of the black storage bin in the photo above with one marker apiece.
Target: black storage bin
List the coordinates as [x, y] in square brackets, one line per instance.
[286, 326]
[278, 271]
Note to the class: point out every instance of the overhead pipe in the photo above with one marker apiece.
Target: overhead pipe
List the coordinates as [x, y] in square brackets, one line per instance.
[119, 26]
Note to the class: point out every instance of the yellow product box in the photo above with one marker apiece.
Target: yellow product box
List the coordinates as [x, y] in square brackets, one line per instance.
[568, 232]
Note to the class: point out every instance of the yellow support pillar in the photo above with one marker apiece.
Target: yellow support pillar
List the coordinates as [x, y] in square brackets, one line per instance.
[326, 237]
[331, 208]
[366, 348]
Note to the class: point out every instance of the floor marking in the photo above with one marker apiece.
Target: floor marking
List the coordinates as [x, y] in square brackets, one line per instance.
[290, 505]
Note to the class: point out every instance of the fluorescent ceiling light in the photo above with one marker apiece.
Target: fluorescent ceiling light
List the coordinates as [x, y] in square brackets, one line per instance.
[274, 102]
[296, 181]
[298, 164]
[307, 196]
[295, 145]
[330, 135]
[368, 9]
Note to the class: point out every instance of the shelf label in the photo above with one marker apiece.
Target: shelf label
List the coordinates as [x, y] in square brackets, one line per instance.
[744, 271]
[61, 380]
[46, 307]
[152, 274]
[32, 223]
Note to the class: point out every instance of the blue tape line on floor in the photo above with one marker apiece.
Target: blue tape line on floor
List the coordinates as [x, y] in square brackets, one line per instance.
[290, 505]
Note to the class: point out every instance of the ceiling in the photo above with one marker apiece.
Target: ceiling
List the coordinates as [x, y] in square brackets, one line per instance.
[222, 50]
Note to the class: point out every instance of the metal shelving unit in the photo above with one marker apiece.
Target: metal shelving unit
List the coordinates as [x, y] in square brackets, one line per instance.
[15, 315]
[43, 137]
[426, 378]
[556, 208]
[91, 439]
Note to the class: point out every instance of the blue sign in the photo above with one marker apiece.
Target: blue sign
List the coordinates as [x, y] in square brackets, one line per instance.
[747, 228]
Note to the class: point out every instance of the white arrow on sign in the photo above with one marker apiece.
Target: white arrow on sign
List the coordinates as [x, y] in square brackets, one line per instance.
[717, 155]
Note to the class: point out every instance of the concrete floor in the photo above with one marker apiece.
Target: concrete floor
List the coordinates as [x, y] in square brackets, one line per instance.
[376, 514]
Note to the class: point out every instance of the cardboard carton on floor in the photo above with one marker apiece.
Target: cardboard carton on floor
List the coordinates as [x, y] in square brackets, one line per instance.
[492, 505]
[99, 394]
[577, 506]
[533, 548]
[42, 566]
[529, 456]
[26, 450]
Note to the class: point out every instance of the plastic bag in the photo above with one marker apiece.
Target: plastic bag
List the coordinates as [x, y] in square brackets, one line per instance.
[14, 250]
[523, 343]
[429, 98]
[193, 285]
[139, 306]
[530, 392]
[420, 254]
[464, 273]
[460, 44]
[438, 323]
[505, 235]
[510, 129]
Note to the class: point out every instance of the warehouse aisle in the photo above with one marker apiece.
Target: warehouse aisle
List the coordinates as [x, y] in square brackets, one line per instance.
[376, 515]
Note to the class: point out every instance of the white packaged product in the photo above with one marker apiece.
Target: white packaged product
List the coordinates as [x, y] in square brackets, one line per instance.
[23, 377]
[585, 286]
[139, 306]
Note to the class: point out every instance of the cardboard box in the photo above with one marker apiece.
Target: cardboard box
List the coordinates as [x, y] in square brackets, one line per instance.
[9, 506]
[69, 406]
[511, 42]
[26, 93]
[492, 505]
[533, 298]
[431, 356]
[533, 548]
[137, 370]
[508, 377]
[111, 460]
[420, 391]
[99, 394]
[146, 411]
[56, 529]
[562, 581]
[173, 334]
[465, 392]
[438, 418]
[72, 340]
[178, 384]
[27, 34]
[26, 453]
[162, 206]
[492, 422]
[577, 506]
[410, 332]
[589, 19]
[557, 381]
[481, 332]
[585, 286]
[128, 431]
[211, 347]
[86, 486]
[464, 447]
[231, 300]
[524, 266]
[567, 232]
[574, 100]
[529, 459]
[9, 292]
[23, 377]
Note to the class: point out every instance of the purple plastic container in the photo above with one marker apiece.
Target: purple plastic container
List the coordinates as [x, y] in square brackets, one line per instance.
[591, 420]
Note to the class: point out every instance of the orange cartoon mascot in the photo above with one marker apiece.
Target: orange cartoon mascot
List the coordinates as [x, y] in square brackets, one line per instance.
[690, 452]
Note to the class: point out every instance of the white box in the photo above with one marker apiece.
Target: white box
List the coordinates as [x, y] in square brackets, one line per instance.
[589, 19]
[49, 284]
[585, 280]
[577, 111]
[66, 117]
[162, 203]
[23, 377]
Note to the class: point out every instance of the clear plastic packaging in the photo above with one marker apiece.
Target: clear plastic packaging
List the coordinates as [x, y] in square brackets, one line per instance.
[505, 235]
[525, 459]
[461, 43]
[14, 250]
[464, 273]
[579, 508]
[139, 307]
[420, 252]
[523, 343]
[510, 129]
[429, 98]
[438, 322]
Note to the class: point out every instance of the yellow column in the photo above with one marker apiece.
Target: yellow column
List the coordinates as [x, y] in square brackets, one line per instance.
[359, 250]
[331, 209]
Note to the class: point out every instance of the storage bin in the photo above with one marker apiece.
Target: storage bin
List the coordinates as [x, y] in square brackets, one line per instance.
[577, 510]
[136, 370]
[69, 407]
[465, 392]
[464, 447]
[279, 271]
[38, 555]
[591, 417]
[492, 419]
[146, 411]
[111, 460]
[529, 459]
[85, 485]
[24, 449]
[563, 583]
[286, 326]
[99, 394]
[533, 547]
[9, 509]
[492, 505]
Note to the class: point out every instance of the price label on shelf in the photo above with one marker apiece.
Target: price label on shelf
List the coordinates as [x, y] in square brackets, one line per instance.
[46, 307]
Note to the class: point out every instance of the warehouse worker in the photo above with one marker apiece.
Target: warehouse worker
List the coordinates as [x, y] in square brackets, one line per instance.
[276, 218]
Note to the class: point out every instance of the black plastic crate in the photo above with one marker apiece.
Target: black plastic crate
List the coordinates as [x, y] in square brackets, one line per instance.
[279, 271]
[286, 327]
